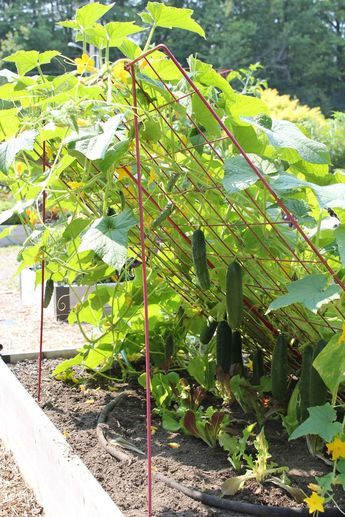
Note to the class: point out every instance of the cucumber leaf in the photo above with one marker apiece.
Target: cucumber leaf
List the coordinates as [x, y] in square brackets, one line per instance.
[310, 291]
[330, 364]
[86, 16]
[286, 135]
[162, 15]
[10, 148]
[26, 60]
[238, 175]
[108, 238]
[321, 422]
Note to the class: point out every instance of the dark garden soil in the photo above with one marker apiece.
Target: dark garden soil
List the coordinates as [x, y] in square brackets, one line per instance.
[75, 411]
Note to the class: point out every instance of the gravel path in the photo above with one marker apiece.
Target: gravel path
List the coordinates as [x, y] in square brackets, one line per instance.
[19, 325]
[16, 499]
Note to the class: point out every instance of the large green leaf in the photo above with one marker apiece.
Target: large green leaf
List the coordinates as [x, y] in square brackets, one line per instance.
[87, 15]
[162, 15]
[286, 135]
[310, 291]
[321, 422]
[10, 148]
[330, 363]
[205, 74]
[18, 208]
[108, 238]
[94, 143]
[238, 175]
[112, 34]
[26, 60]
[329, 196]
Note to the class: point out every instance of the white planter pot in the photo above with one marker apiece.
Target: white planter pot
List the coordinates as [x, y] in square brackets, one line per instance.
[64, 297]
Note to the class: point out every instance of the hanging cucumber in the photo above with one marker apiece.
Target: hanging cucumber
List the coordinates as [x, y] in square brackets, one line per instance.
[258, 366]
[279, 369]
[168, 347]
[48, 292]
[236, 354]
[208, 330]
[165, 213]
[199, 259]
[223, 346]
[317, 390]
[234, 295]
[172, 181]
[304, 382]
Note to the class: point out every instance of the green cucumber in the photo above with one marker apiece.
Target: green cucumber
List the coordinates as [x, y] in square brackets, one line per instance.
[168, 347]
[279, 369]
[318, 391]
[236, 354]
[199, 259]
[48, 292]
[304, 382]
[172, 181]
[208, 330]
[165, 213]
[234, 295]
[223, 346]
[258, 366]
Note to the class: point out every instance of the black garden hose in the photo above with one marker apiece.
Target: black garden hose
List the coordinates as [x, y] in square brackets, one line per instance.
[197, 495]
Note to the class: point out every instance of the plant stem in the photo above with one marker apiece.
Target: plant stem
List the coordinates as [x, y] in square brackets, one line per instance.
[150, 36]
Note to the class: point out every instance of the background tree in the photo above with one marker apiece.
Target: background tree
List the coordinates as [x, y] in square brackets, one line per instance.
[301, 43]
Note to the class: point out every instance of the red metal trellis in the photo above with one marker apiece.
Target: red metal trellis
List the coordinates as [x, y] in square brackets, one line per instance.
[177, 236]
[263, 273]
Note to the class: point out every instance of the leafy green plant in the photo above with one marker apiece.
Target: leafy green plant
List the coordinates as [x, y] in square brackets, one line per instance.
[206, 424]
[258, 467]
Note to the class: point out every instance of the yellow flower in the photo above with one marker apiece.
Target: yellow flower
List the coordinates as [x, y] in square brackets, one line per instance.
[250, 365]
[32, 216]
[315, 503]
[85, 63]
[20, 167]
[336, 448]
[75, 184]
[81, 122]
[119, 73]
[341, 339]
[121, 174]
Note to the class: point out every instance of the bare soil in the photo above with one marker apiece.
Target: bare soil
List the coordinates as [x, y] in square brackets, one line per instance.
[16, 499]
[75, 411]
[19, 324]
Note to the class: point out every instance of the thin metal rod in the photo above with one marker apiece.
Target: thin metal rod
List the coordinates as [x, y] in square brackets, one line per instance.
[40, 353]
[145, 297]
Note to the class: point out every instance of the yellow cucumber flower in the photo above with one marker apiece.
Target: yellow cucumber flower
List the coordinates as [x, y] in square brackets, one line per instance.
[19, 168]
[75, 184]
[336, 448]
[32, 216]
[85, 63]
[315, 503]
[121, 174]
[119, 73]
